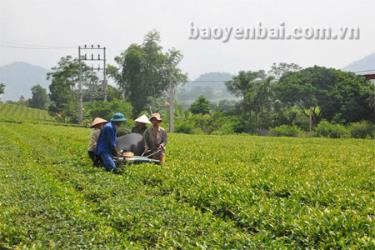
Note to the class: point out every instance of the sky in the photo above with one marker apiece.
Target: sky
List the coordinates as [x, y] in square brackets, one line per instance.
[118, 23]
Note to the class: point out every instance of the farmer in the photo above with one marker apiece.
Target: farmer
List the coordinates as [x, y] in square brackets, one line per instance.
[106, 147]
[140, 125]
[155, 139]
[97, 125]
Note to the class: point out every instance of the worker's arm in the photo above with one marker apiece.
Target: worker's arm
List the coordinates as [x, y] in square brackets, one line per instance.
[146, 140]
[164, 140]
[93, 141]
[115, 152]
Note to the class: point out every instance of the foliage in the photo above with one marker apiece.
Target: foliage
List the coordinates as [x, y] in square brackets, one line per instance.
[291, 116]
[278, 70]
[327, 129]
[245, 82]
[227, 107]
[64, 78]
[214, 192]
[145, 71]
[287, 93]
[94, 92]
[105, 110]
[200, 106]
[173, 77]
[216, 123]
[113, 93]
[185, 128]
[362, 129]
[39, 97]
[286, 130]
[2, 88]
[256, 106]
[341, 96]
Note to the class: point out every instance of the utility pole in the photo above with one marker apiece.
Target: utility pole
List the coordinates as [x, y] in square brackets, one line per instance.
[105, 77]
[171, 107]
[100, 58]
[80, 108]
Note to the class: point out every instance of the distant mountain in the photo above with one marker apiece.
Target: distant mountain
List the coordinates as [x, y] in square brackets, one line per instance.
[19, 77]
[211, 85]
[365, 64]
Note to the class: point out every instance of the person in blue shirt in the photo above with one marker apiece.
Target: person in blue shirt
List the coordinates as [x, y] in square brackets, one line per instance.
[106, 146]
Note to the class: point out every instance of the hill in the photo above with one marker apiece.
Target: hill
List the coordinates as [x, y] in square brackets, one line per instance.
[14, 112]
[210, 85]
[367, 63]
[19, 77]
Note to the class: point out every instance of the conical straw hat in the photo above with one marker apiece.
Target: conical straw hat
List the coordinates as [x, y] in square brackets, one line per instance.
[142, 119]
[97, 121]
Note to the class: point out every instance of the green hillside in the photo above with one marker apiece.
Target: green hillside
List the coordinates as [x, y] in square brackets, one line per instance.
[14, 112]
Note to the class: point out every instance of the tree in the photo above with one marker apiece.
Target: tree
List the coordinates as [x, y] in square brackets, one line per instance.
[133, 83]
[227, 107]
[63, 89]
[95, 93]
[173, 77]
[39, 97]
[63, 79]
[200, 106]
[245, 81]
[138, 73]
[278, 70]
[255, 89]
[2, 88]
[330, 94]
[259, 101]
[105, 109]
[144, 73]
[313, 113]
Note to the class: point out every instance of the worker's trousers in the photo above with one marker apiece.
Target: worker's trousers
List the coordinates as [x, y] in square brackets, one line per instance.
[108, 161]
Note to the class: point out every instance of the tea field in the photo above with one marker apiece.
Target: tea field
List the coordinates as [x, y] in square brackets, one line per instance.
[214, 192]
[19, 113]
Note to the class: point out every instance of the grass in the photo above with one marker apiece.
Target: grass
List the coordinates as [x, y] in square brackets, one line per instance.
[227, 192]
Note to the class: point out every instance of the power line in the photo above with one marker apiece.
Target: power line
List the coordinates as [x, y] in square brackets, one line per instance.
[24, 47]
[16, 45]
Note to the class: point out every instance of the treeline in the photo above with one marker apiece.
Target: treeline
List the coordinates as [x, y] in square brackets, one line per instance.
[289, 101]
[285, 100]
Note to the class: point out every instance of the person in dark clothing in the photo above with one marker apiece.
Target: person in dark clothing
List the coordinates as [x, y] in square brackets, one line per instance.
[106, 147]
